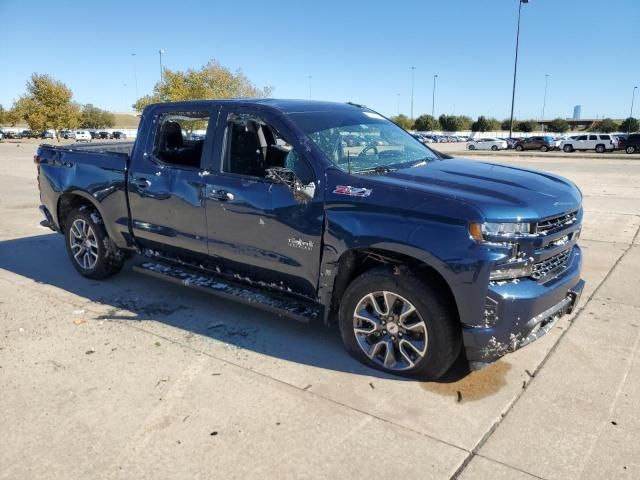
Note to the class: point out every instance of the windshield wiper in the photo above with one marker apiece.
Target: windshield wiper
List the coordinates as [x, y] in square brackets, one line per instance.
[379, 169]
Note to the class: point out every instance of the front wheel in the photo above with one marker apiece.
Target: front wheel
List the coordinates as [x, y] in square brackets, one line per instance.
[544, 148]
[494, 147]
[519, 148]
[471, 147]
[567, 149]
[630, 149]
[399, 324]
[600, 149]
[89, 247]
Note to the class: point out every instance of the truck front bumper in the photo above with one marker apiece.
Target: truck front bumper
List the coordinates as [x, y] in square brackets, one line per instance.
[520, 311]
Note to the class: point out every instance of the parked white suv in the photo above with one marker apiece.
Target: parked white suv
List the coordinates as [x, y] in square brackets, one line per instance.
[598, 142]
[83, 136]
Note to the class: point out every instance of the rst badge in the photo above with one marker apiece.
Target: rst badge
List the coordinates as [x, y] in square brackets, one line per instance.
[352, 191]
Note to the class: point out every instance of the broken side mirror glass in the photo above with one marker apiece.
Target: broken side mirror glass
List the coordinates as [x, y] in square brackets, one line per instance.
[301, 192]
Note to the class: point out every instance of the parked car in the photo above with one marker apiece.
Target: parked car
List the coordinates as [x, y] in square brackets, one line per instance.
[600, 143]
[487, 144]
[413, 254]
[47, 134]
[632, 143]
[95, 135]
[12, 134]
[104, 135]
[620, 141]
[82, 136]
[119, 135]
[28, 134]
[1, 135]
[67, 134]
[543, 144]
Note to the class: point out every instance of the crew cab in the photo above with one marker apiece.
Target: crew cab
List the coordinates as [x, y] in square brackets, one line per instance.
[416, 256]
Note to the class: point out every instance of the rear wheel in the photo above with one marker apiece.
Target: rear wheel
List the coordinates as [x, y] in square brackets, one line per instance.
[544, 148]
[494, 147]
[630, 149]
[399, 324]
[600, 148]
[471, 147]
[519, 148]
[567, 148]
[89, 247]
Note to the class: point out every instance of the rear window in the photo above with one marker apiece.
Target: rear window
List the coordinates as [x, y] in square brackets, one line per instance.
[605, 137]
[593, 137]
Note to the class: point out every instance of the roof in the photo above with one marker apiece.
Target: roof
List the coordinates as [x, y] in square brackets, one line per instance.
[282, 105]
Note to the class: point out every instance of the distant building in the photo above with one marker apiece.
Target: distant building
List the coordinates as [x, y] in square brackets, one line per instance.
[577, 112]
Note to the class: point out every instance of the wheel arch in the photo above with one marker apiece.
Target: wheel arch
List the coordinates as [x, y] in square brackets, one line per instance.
[69, 201]
[356, 261]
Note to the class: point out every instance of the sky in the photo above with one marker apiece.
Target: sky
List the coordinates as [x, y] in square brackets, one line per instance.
[359, 51]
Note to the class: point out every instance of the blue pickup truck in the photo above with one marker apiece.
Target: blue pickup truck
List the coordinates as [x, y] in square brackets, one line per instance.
[328, 211]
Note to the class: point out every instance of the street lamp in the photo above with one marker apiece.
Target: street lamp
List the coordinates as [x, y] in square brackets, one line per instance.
[633, 97]
[161, 70]
[135, 74]
[544, 101]
[433, 96]
[515, 67]
[413, 71]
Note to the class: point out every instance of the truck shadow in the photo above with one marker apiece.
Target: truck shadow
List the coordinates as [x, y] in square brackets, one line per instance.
[133, 297]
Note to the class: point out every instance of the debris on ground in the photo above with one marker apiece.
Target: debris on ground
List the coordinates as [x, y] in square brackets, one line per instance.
[90, 351]
[78, 312]
[371, 385]
[79, 321]
[459, 396]
[162, 380]
[529, 373]
[214, 433]
[157, 344]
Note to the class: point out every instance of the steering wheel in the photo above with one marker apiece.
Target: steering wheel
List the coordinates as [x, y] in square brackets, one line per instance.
[366, 149]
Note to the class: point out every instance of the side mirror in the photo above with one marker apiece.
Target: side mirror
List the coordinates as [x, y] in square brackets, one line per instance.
[285, 176]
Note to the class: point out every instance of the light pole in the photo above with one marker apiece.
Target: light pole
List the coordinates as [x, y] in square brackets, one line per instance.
[309, 77]
[161, 69]
[544, 101]
[135, 74]
[633, 97]
[515, 67]
[413, 77]
[433, 96]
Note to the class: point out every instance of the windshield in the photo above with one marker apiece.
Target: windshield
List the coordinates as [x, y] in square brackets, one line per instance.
[359, 140]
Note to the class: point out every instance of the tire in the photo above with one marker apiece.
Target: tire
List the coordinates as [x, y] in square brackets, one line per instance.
[544, 148]
[567, 149]
[85, 232]
[600, 149]
[630, 149]
[494, 147]
[471, 147]
[434, 334]
[519, 148]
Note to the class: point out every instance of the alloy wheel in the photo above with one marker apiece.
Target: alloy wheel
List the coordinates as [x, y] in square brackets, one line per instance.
[83, 243]
[390, 330]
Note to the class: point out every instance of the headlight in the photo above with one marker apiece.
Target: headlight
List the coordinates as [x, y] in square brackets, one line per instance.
[488, 231]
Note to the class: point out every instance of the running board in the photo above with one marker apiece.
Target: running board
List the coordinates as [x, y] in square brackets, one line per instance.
[261, 298]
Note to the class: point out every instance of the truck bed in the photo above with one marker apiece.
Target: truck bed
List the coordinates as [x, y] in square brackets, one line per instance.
[102, 147]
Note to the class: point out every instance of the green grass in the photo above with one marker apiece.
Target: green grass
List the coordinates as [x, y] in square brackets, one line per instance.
[125, 120]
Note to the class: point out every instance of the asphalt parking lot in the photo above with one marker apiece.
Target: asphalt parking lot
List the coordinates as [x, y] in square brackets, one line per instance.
[136, 378]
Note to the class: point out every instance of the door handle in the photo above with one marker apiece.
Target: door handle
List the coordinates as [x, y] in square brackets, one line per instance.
[221, 195]
[142, 183]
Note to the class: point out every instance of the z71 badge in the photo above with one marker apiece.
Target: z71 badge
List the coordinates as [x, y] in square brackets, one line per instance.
[352, 191]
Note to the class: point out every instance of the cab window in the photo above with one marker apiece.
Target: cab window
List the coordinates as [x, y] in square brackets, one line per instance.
[253, 146]
[180, 138]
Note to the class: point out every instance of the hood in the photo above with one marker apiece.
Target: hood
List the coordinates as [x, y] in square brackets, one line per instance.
[499, 192]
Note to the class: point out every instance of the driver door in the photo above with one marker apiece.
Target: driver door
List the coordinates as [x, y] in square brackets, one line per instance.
[257, 228]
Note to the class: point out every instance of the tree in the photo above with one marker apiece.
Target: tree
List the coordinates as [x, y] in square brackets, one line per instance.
[559, 125]
[464, 122]
[94, 117]
[13, 116]
[47, 104]
[402, 121]
[426, 123]
[630, 125]
[484, 124]
[3, 115]
[506, 124]
[606, 125]
[210, 81]
[527, 126]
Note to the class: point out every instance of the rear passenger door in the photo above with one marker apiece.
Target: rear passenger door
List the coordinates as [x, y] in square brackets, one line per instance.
[167, 183]
[257, 228]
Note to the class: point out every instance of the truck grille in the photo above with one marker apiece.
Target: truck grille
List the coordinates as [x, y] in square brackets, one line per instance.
[556, 222]
[552, 265]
